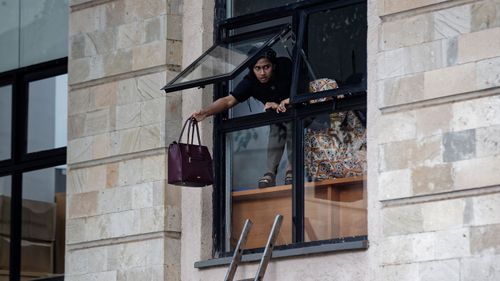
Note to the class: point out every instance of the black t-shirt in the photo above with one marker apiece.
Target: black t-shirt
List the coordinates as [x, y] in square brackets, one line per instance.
[275, 90]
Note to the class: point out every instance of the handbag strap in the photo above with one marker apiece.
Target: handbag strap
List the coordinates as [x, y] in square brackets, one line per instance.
[190, 131]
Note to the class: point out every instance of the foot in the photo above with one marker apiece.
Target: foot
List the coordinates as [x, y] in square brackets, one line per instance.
[268, 180]
[288, 177]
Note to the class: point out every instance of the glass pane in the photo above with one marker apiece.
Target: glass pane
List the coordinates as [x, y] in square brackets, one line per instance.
[223, 59]
[334, 48]
[271, 147]
[9, 35]
[5, 194]
[5, 121]
[43, 222]
[335, 170]
[47, 113]
[242, 7]
[283, 49]
[44, 30]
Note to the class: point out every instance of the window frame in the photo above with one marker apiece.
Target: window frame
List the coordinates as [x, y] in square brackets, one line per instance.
[223, 125]
[21, 161]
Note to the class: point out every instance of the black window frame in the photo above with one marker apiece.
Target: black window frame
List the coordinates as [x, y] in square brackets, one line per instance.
[21, 161]
[355, 100]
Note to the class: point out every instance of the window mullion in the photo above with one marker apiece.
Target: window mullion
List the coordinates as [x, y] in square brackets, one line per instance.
[298, 181]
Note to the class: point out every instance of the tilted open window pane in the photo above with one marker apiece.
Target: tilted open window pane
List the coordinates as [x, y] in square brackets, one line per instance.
[333, 52]
[221, 62]
[5, 121]
[335, 172]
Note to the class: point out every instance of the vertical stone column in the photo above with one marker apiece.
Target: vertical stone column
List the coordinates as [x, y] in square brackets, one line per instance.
[438, 140]
[123, 223]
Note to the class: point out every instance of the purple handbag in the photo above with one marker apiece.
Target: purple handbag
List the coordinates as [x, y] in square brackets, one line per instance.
[189, 164]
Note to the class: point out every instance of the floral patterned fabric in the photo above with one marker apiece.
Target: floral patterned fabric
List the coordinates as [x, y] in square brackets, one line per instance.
[322, 84]
[337, 150]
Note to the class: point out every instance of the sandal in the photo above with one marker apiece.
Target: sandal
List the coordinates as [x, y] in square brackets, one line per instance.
[268, 180]
[288, 177]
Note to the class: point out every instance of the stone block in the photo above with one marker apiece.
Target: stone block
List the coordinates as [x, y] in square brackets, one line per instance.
[141, 273]
[128, 116]
[149, 55]
[397, 127]
[101, 42]
[130, 35]
[75, 230]
[397, 6]
[79, 150]
[120, 224]
[443, 215]
[480, 268]
[391, 63]
[485, 15]
[145, 9]
[173, 258]
[77, 180]
[174, 27]
[153, 168]
[174, 52]
[125, 141]
[84, 261]
[429, 152]
[402, 90]
[393, 36]
[433, 121]
[479, 172]
[97, 122]
[155, 29]
[112, 174]
[151, 137]
[451, 22]
[173, 215]
[476, 113]
[487, 73]
[449, 81]
[127, 92]
[104, 95]
[397, 155]
[115, 199]
[148, 86]
[394, 184]
[431, 179]
[76, 126]
[115, 13]
[175, 7]
[101, 146]
[428, 56]
[153, 111]
[459, 145]
[446, 270]
[399, 272]
[136, 254]
[117, 62]
[130, 172]
[485, 240]
[78, 70]
[479, 45]
[82, 204]
[142, 195]
[151, 219]
[77, 46]
[453, 243]
[97, 177]
[97, 276]
[486, 209]
[79, 101]
[86, 20]
[424, 245]
[400, 220]
[488, 141]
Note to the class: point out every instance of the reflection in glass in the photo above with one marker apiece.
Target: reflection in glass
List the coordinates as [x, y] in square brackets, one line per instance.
[335, 169]
[44, 30]
[43, 221]
[335, 46]
[250, 154]
[9, 35]
[5, 121]
[237, 8]
[5, 195]
[223, 59]
[47, 113]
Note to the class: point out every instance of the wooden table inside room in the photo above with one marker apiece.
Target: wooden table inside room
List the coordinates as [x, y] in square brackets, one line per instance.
[333, 208]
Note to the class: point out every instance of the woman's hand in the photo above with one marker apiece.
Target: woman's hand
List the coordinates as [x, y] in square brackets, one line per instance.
[199, 115]
[270, 105]
[283, 105]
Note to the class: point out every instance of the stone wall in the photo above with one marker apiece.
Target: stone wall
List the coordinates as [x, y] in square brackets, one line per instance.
[437, 136]
[122, 221]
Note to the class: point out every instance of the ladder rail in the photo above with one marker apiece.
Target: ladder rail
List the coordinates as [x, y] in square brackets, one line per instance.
[268, 251]
[236, 259]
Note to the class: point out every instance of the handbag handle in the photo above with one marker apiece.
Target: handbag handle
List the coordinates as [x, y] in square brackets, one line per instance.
[190, 137]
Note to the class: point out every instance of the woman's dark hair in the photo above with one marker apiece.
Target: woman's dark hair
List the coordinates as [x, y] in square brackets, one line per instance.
[266, 53]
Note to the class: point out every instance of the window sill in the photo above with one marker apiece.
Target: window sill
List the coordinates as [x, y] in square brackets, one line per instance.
[287, 253]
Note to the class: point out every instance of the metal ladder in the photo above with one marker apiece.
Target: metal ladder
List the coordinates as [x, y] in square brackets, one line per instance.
[266, 256]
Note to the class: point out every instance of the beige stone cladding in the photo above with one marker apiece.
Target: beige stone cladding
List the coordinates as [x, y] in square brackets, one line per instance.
[437, 141]
[122, 221]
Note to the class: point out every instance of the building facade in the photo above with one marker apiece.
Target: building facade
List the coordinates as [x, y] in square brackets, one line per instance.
[429, 199]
